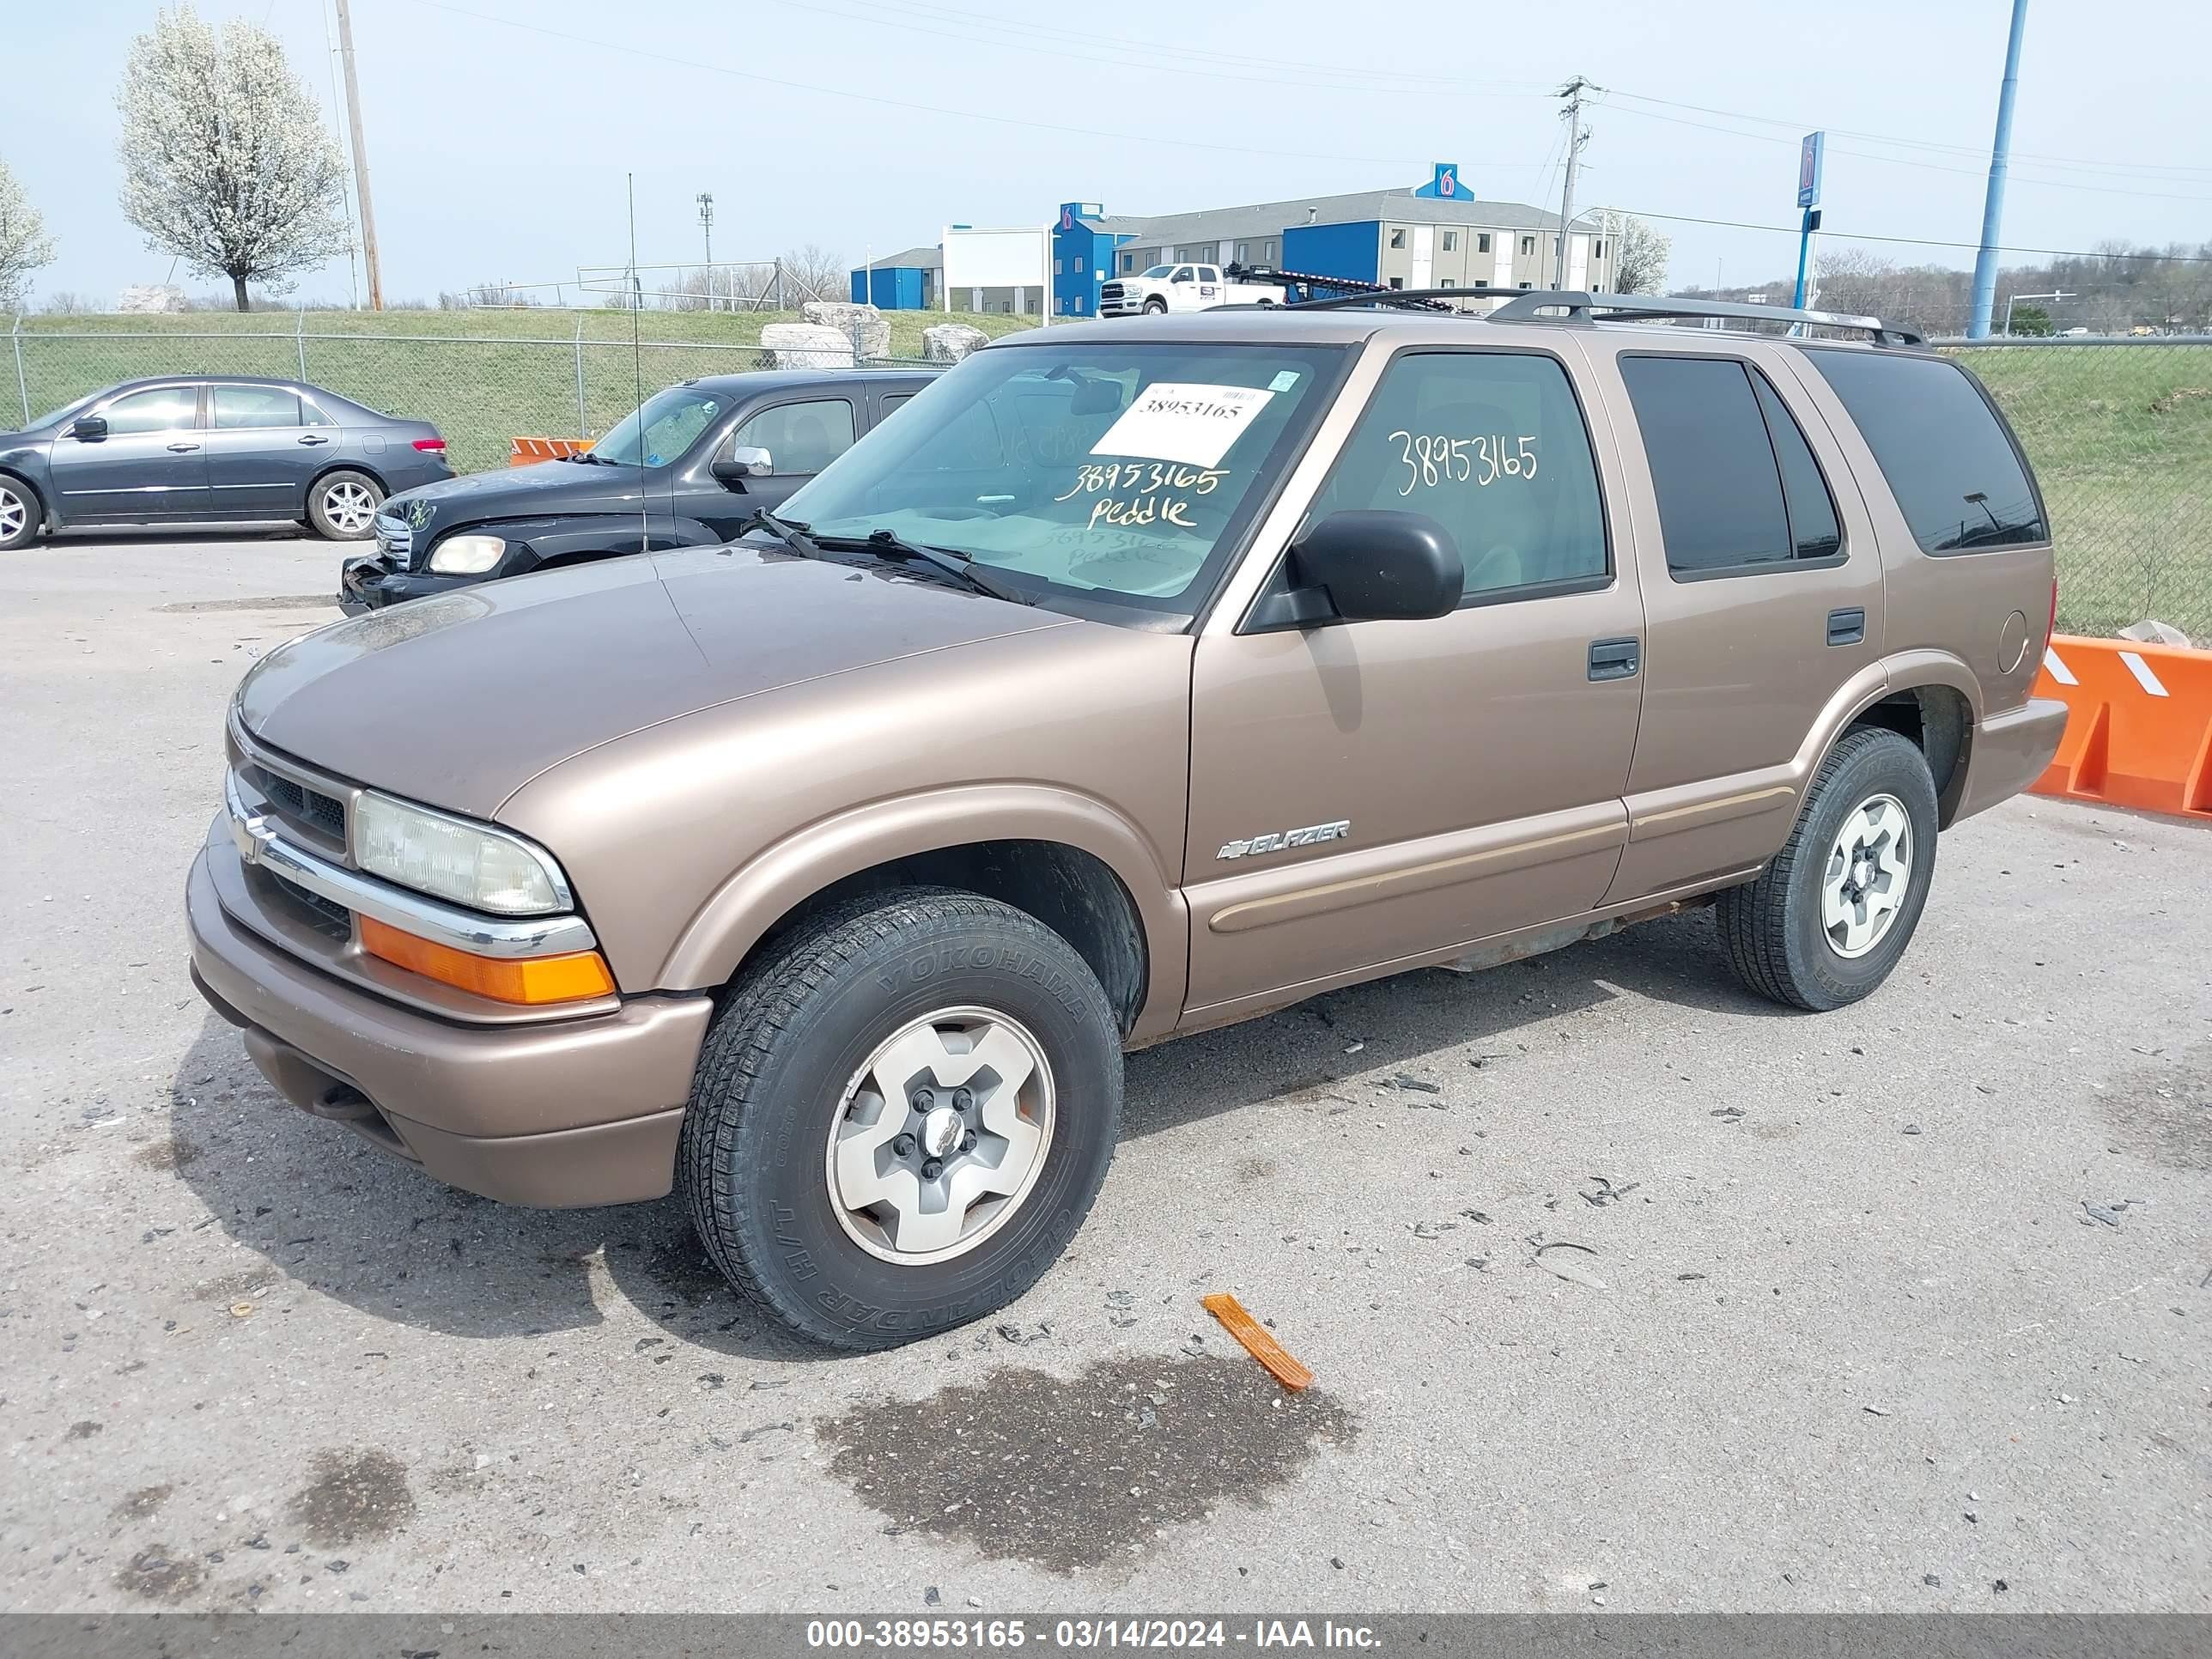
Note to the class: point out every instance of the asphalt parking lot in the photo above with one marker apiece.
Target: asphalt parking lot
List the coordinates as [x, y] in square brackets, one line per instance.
[1904, 1308]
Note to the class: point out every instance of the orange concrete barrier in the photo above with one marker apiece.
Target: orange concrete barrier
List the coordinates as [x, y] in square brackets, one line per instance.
[528, 451]
[2139, 729]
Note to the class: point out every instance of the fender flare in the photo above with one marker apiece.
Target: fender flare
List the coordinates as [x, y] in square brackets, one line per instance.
[783, 875]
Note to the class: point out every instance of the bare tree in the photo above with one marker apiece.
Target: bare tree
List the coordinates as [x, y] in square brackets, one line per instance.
[24, 245]
[814, 273]
[227, 163]
[1640, 257]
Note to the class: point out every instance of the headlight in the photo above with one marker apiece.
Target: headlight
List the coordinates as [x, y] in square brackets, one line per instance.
[483, 868]
[466, 556]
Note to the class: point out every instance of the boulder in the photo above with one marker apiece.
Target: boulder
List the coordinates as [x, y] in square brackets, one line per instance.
[149, 298]
[805, 345]
[948, 343]
[863, 323]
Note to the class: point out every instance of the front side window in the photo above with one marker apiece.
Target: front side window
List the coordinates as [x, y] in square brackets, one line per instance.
[1125, 473]
[658, 432]
[801, 439]
[255, 405]
[1722, 449]
[1957, 478]
[1492, 447]
[1181, 274]
[169, 409]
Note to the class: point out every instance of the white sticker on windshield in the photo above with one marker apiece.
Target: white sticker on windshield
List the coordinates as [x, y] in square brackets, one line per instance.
[1176, 421]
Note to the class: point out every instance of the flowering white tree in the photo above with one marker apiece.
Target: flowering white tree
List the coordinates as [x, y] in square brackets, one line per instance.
[227, 163]
[24, 243]
[1644, 253]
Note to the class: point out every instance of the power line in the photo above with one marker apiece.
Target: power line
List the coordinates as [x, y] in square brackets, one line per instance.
[1915, 241]
[1906, 162]
[1121, 135]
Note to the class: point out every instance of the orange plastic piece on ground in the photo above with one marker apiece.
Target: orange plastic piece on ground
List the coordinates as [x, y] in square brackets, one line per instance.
[1260, 1345]
[2138, 727]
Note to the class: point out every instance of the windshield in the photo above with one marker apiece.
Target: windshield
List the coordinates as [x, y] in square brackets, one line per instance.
[1161, 270]
[67, 411]
[659, 432]
[1126, 471]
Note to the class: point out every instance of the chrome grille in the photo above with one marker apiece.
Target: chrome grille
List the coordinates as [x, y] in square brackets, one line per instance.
[394, 540]
[1110, 291]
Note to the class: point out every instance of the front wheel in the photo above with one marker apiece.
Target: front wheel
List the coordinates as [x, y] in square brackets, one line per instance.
[20, 515]
[901, 1116]
[342, 506]
[1156, 307]
[1828, 919]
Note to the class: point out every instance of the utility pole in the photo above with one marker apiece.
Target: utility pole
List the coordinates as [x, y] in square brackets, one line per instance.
[1985, 261]
[359, 161]
[706, 201]
[1572, 115]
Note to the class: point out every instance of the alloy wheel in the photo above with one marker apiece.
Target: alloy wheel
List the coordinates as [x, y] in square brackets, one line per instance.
[349, 507]
[1868, 873]
[940, 1135]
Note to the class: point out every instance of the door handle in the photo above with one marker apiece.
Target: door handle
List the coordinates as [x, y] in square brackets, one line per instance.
[312, 438]
[1614, 659]
[182, 449]
[1847, 627]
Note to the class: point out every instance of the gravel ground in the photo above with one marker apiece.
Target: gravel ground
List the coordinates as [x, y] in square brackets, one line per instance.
[1901, 1308]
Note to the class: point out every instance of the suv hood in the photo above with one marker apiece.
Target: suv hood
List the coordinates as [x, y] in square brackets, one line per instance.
[521, 492]
[458, 700]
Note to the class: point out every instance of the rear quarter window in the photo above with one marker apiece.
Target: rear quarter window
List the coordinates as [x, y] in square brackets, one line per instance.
[1956, 474]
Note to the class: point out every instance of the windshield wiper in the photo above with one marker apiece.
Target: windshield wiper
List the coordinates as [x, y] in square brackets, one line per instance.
[962, 567]
[789, 532]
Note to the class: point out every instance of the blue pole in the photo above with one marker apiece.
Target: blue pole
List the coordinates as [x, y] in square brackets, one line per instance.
[1804, 247]
[1985, 261]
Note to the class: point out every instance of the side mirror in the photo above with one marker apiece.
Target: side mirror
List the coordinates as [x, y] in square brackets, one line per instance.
[744, 462]
[1382, 566]
[89, 428]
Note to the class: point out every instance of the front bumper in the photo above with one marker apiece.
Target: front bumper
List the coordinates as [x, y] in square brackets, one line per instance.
[2007, 752]
[370, 584]
[561, 1113]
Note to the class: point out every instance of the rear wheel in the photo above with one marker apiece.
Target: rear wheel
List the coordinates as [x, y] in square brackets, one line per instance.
[342, 506]
[901, 1116]
[1832, 914]
[20, 514]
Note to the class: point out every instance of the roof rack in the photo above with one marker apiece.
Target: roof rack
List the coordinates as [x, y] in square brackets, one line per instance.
[1586, 307]
[1526, 305]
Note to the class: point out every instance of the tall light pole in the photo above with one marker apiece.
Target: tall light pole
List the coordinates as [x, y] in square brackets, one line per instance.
[1572, 92]
[1985, 261]
[706, 201]
[359, 161]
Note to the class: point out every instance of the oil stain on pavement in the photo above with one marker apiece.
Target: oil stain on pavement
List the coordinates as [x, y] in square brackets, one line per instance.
[353, 1496]
[2162, 1112]
[1069, 1473]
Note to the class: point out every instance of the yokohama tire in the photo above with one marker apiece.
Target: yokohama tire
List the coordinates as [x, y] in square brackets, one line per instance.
[759, 1156]
[1772, 929]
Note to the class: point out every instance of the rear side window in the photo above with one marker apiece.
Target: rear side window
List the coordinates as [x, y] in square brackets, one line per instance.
[1947, 458]
[1737, 486]
[1492, 445]
[255, 405]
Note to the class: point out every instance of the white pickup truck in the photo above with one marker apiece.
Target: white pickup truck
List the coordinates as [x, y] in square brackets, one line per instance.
[1180, 288]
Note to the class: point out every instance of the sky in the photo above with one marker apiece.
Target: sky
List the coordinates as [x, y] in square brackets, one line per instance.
[500, 132]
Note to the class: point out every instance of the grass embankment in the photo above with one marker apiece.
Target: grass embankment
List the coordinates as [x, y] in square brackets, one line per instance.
[484, 377]
[2121, 438]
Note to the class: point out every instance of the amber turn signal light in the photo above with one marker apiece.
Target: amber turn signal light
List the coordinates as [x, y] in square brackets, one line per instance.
[533, 979]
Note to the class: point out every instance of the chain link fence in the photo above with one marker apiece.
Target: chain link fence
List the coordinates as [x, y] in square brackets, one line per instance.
[2120, 434]
[2119, 430]
[481, 392]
